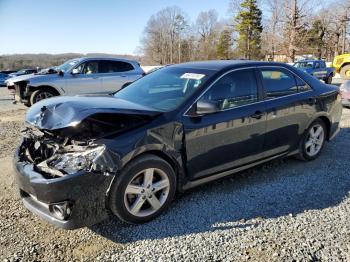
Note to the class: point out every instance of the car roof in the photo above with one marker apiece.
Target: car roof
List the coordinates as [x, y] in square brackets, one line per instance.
[104, 58]
[218, 65]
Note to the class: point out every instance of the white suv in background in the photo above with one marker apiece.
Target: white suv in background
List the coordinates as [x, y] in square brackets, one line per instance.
[88, 76]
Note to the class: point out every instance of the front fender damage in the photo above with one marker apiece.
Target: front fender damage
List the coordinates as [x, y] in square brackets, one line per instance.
[53, 156]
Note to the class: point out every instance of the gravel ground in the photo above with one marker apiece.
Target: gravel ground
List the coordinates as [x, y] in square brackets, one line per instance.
[281, 211]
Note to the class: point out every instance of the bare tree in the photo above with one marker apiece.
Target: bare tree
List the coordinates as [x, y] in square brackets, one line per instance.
[272, 28]
[162, 35]
[208, 29]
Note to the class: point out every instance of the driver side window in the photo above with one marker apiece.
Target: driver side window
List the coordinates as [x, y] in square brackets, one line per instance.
[90, 67]
[234, 89]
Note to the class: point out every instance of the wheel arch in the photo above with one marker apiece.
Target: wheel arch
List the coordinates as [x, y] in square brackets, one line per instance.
[171, 160]
[344, 64]
[325, 120]
[176, 165]
[43, 87]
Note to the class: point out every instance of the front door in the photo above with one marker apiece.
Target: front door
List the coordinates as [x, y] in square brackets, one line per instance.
[86, 81]
[234, 135]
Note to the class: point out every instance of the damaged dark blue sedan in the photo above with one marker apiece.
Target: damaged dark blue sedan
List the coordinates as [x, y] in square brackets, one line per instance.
[83, 159]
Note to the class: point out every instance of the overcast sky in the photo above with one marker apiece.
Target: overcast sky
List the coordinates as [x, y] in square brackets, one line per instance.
[85, 26]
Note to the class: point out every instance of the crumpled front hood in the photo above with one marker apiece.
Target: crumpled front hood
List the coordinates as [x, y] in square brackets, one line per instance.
[12, 80]
[60, 112]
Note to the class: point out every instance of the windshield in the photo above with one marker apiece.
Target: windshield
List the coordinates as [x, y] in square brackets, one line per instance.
[67, 65]
[304, 65]
[21, 71]
[165, 89]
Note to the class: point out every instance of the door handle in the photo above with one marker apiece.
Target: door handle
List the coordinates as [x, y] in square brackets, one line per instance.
[123, 76]
[257, 115]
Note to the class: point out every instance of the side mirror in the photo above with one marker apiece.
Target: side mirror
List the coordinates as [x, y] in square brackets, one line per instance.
[75, 71]
[206, 107]
[60, 73]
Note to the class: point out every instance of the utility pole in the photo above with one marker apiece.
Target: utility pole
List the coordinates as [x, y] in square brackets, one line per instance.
[344, 38]
[345, 20]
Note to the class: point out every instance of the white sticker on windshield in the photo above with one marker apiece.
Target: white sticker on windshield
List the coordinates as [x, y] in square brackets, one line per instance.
[192, 76]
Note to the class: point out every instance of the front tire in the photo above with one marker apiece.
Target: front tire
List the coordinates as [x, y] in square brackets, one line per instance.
[40, 94]
[143, 190]
[313, 141]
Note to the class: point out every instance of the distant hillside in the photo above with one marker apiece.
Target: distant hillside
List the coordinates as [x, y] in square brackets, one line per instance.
[20, 61]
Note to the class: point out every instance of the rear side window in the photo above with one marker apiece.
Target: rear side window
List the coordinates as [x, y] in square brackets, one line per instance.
[234, 89]
[114, 66]
[278, 83]
[302, 86]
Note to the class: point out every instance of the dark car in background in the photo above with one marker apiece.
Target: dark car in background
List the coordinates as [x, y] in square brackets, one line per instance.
[4, 75]
[82, 158]
[23, 72]
[7, 72]
[3, 78]
[317, 68]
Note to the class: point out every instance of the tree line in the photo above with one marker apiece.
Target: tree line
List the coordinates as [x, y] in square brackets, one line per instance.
[262, 30]
[277, 30]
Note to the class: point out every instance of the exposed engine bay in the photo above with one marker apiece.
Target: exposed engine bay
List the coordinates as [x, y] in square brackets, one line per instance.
[65, 151]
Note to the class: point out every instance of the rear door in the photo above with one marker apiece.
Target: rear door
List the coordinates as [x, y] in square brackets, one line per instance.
[234, 135]
[115, 74]
[289, 106]
[323, 70]
[86, 81]
[318, 70]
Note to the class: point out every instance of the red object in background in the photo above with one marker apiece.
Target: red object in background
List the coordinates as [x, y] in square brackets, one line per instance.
[345, 93]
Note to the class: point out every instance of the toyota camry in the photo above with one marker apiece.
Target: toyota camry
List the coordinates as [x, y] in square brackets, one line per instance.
[83, 159]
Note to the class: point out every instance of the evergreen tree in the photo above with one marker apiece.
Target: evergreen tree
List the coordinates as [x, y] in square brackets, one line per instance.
[223, 49]
[249, 29]
[315, 38]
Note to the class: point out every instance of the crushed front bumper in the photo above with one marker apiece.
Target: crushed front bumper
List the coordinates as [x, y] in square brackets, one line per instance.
[85, 194]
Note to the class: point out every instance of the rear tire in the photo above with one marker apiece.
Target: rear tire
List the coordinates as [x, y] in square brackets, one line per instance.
[41, 94]
[345, 72]
[143, 190]
[313, 141]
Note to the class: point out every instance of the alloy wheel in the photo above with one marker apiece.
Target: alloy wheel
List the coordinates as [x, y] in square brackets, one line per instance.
[43, 95]
[147, 192]
[314, 140]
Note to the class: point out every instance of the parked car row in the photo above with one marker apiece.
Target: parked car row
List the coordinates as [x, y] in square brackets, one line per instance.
[88, 76]
[6, 74]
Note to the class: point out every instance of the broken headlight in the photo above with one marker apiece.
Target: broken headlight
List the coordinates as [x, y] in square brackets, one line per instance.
[76, 161]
